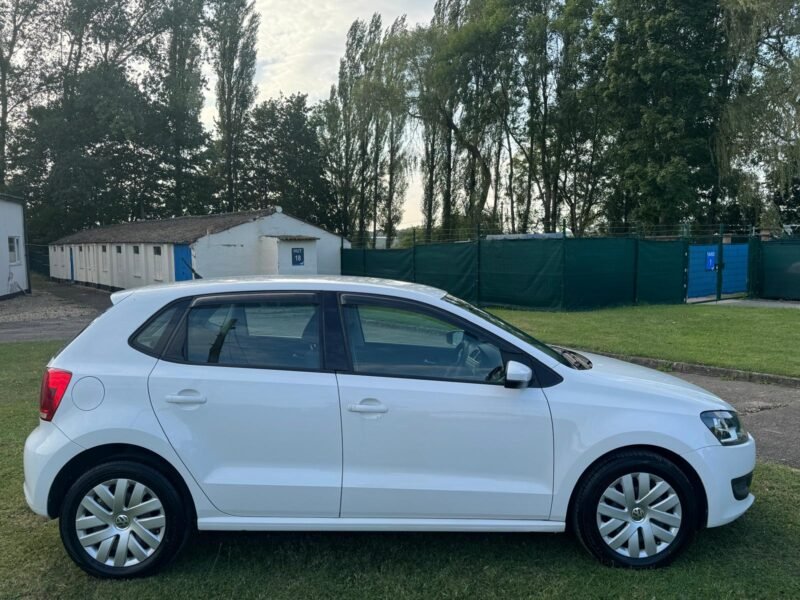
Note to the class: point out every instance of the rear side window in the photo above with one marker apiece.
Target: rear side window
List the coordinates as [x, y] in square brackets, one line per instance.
[270, 334]
[153, 335]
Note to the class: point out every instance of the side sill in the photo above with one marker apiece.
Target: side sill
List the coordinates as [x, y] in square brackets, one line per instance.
[350, 524]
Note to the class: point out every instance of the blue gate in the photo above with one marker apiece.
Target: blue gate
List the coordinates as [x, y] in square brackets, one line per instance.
[703, 261]
[183, 262]
[734, 272]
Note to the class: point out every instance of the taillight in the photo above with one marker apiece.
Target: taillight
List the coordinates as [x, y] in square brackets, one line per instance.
[54, 384]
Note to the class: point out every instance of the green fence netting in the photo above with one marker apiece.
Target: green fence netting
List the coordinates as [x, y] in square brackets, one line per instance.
[390, 264]
[538, 273]
[780, 270]
[661, 272]
[525, 273]
[451, 267]
[599, 272]
[353, 262]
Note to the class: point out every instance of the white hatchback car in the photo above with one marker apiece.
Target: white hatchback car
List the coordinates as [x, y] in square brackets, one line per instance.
[361, 404]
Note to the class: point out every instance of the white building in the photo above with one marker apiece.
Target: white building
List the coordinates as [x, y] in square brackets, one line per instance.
[13, 258]
[264, 242]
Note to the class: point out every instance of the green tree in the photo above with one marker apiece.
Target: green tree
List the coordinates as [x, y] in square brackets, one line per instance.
[232, 32]
[662, 72]
[284, 164]
[178, 82]
[23, 34]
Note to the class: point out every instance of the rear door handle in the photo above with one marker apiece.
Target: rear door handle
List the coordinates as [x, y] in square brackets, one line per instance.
[185, 399]
[373, 409]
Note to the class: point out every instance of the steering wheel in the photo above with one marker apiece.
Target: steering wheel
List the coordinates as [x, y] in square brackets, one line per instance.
[462, 349]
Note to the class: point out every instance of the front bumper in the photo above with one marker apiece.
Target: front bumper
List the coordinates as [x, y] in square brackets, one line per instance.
[718, 466]
[47, 450]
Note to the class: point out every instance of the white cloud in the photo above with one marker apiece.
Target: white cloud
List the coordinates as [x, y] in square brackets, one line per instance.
[300, 43]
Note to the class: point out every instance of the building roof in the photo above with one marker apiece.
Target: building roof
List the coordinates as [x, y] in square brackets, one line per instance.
[10, 198]
[177, 230]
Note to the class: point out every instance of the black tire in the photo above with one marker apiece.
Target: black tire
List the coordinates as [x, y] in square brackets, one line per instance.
[584, 515]
[175, 531]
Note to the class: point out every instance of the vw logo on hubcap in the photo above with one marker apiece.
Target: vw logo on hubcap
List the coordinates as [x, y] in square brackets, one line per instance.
[637, 513]
[121, 521]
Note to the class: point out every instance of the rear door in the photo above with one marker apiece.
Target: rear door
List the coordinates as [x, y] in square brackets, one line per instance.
[243, 395]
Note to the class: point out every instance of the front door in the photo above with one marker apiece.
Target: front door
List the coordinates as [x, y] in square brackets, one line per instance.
[243, 399]
[429, 429]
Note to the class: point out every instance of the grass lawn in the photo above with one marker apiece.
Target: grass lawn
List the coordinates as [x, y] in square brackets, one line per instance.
[757, 556]
[765, 340]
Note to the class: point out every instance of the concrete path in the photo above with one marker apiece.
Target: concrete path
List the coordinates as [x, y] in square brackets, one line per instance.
[770, 412]
[51, 312]
[747, 302]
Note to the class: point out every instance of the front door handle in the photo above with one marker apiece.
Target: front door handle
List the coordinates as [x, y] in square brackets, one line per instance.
[185, 399]
[372, 407]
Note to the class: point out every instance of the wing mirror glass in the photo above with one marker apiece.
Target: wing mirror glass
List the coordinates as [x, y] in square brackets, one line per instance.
[517, 375]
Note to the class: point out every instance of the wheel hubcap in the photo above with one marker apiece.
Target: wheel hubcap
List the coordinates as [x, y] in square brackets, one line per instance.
[639, 515]
[120, 522]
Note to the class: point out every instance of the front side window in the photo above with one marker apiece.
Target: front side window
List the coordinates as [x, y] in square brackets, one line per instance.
[272, 334]
[14, 256]
[406, 342]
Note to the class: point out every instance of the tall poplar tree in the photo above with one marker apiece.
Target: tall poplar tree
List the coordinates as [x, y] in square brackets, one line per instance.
[232, 33]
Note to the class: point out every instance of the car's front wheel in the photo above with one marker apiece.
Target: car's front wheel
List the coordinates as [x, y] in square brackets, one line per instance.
[123, 519]
[635, 510]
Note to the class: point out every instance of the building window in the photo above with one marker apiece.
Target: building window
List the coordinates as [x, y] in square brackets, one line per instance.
[137, 262]
[104, 257]
[119, 249]
[158, 264]
[14, 256]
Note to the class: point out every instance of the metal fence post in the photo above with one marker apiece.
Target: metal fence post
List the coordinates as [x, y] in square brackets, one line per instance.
[636, 267]
[720, 263]
[478, 263]
[414, 254]
[563, 264]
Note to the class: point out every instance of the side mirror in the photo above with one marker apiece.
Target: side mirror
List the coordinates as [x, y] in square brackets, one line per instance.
[517, 375]
[455, 337]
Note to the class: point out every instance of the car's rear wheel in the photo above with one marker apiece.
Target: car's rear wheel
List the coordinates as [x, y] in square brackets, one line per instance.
[635, 510]
[123, 519]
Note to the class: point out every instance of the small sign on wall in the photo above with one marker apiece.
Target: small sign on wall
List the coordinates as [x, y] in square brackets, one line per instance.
[711, 260]
[298, 257]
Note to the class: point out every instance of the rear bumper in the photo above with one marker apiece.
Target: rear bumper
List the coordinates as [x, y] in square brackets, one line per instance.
[718, 467]
[47, 450]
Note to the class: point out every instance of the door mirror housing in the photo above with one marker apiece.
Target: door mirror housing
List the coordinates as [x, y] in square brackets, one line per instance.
[517, 375]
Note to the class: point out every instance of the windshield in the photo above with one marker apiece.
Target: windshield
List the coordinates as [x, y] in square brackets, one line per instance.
[515, 331]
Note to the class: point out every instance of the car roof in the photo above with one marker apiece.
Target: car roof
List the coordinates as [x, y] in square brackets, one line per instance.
[266, 283]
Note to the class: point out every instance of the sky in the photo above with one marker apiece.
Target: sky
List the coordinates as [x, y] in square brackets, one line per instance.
[300, 43]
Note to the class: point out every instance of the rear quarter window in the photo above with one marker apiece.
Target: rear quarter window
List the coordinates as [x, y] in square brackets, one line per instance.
[151, 337]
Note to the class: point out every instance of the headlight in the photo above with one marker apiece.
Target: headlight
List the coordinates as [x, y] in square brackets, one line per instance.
[725, 426]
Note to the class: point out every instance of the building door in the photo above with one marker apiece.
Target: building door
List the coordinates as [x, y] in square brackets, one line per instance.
[183, 262]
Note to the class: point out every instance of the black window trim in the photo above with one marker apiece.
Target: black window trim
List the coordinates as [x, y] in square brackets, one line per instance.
[543, 376]
[255, 297]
